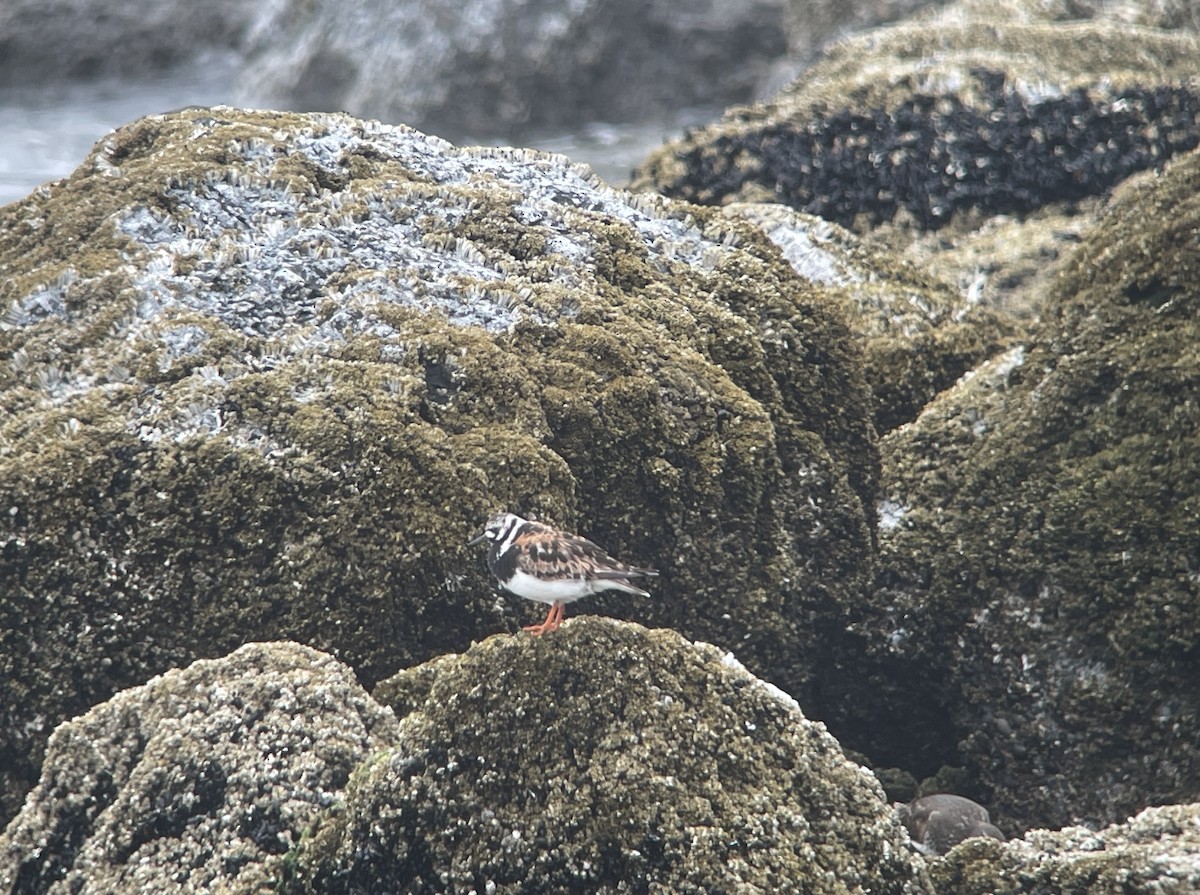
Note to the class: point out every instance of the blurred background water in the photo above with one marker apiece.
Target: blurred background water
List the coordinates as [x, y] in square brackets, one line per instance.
[601, 81]
[47, 130]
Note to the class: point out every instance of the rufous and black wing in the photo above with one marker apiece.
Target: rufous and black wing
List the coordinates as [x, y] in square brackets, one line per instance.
[552, 554]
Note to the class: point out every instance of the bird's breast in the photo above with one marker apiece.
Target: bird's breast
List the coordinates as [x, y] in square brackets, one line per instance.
[542, 590]
[502, 565]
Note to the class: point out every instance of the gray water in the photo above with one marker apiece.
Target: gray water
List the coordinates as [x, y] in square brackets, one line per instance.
[45, 132]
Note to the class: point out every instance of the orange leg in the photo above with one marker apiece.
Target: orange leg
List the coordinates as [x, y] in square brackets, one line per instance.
[554, 618]
[559, 609]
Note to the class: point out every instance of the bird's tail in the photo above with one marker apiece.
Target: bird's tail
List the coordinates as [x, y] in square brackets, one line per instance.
[618, 579]
[619, 584]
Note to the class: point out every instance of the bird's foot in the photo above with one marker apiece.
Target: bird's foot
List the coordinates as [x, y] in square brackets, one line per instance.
[553, 620]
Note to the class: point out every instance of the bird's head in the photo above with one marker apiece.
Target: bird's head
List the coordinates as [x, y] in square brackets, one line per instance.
[497, 528]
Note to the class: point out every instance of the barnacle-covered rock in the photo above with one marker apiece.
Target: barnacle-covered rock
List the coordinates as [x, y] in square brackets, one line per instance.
[1157, 852]
[1039, 535]
[200, 780]
[918, 334]
[977, 138]
[266, 373]
[607, 759]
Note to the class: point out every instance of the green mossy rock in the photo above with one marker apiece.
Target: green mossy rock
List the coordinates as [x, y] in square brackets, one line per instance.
[1155, 853]
[919, 336]
[199, 781]
[976, 140]
[1041, 530]
[606, 758]
[266, 373]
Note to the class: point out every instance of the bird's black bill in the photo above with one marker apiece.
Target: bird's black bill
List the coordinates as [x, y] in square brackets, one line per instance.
[475, 540]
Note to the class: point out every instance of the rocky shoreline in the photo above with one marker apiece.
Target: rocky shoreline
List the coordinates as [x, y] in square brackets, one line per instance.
[927, 485]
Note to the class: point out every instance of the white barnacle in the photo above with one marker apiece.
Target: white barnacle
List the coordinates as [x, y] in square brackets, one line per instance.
[204, 417]
[465, 250]
[247, 252]
[210, 374]
[275, 228]
[891, 514]
[159, 265]
[48, 378]
[437, 242]
[711, 257]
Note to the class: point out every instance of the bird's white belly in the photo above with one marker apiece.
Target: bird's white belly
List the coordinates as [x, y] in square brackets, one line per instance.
[565, 589]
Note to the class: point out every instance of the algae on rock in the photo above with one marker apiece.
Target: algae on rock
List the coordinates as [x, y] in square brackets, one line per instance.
[200, 780]
[1155, 853]
[268, 372]
[919, 336]
[607, 758]
[1039, 561]
[977, 139]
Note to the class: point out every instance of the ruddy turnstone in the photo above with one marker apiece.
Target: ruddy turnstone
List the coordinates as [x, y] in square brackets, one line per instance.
[541, 563]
